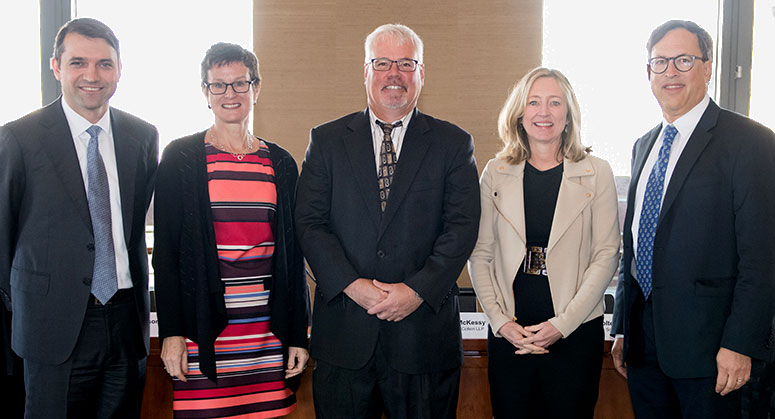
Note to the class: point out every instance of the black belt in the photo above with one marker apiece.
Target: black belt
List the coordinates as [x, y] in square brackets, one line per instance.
[121, 295]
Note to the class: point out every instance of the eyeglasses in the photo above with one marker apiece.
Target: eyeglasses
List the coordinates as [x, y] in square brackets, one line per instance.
[385, 64]
[219, 88]
[682, 63]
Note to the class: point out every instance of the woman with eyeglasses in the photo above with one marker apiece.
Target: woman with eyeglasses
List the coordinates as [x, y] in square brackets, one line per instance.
[231, 291]
[548, 247]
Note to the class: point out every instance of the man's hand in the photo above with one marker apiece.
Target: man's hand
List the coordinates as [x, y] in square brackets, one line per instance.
[514, 333]
[297, 361]
[734, 370]
[364, 293]
[401, 301]
[617, 353]
[543, 335]
[174, 355]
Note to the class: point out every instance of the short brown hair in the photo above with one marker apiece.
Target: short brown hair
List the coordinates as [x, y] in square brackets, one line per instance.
[704, 41]
[88, 27]
[224, 53]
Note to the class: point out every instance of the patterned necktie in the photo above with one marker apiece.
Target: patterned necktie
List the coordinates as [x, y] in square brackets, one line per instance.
[387, 162]
[649, 215]
[104, 282]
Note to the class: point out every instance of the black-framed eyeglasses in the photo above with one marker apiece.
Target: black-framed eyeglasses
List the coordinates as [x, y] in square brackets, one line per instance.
[682, 63]
[219, 88]
[385, 64]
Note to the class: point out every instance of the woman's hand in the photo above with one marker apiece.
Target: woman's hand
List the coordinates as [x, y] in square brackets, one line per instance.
[297, 361]
[175, 356]
[542, 334]
[514, 333]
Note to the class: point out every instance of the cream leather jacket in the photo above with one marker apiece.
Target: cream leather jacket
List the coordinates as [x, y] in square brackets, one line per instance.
[583, 251]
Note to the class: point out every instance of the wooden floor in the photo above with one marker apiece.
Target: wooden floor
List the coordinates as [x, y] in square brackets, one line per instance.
[474, 402]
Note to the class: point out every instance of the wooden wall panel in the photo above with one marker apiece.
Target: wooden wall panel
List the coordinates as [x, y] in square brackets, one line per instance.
[311, 57]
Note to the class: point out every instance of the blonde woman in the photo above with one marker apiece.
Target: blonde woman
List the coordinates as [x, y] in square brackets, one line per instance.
[548, 246]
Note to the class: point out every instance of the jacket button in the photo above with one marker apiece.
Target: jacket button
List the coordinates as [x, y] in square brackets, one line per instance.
[90, 247]
[588, 194]
[87, 281]
[380, 254]
[495, 193]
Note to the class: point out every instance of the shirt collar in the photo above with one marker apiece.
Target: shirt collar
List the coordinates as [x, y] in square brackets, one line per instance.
[404, 120]
[688, 121]
[79, 125]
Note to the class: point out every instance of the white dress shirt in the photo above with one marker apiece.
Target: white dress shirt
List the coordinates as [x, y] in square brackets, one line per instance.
[685, 126]
[377, 135]
[78, 126]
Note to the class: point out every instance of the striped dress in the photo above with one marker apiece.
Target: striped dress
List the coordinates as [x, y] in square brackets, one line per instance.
[248, 357]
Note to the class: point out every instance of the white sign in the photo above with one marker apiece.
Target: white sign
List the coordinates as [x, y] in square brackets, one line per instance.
[154, 325]
[474, 325]
[607, 319]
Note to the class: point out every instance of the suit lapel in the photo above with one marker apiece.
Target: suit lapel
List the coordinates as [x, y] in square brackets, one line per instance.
[510, 198]
[126, 160]
[694, 147]
[642, 149]
[360, 152]
[572, 198]
[413, 150]
[58, 142]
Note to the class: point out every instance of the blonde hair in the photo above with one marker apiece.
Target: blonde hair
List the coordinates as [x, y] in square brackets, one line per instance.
[515, 144]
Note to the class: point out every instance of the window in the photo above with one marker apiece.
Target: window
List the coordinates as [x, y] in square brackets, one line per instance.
[605, 60]
[762, 87]
[20, 22]
[162, 45]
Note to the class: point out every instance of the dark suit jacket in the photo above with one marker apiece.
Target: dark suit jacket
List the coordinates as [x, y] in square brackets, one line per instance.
[46, 239]
[423, 239]
[714, 254]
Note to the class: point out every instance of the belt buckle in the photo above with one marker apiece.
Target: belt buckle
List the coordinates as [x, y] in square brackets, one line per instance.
[535, 261]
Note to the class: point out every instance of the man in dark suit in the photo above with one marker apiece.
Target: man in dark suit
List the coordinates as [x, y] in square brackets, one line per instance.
[695, 294]
[76, 178]
[387, 214]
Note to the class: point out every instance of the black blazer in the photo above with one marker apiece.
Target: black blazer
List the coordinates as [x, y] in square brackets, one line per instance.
[189, 291]
[46, 240]
[714, 254]
[423, 239]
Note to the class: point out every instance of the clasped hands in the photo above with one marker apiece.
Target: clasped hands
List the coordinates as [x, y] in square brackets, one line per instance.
[533, 339]
[390, 302]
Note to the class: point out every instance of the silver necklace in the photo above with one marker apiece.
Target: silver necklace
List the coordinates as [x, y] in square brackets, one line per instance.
[238, 156]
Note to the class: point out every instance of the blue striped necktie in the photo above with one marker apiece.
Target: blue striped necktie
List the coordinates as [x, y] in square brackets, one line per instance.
[105, 280]
[649, 214]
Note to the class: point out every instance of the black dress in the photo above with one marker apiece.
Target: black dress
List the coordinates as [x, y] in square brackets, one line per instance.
[563, 383]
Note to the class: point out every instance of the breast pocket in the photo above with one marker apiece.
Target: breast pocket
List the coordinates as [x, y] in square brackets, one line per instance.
[424, 185]
[714, 287]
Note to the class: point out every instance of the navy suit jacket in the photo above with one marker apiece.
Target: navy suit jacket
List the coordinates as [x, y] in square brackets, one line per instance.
[423, 239]
[714, 253]
[46, 239]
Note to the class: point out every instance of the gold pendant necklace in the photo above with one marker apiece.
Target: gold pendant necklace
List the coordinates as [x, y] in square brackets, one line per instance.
[238, 156]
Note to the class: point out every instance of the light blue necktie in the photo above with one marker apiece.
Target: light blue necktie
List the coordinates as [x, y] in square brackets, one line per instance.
[105, 281]
[649, 214]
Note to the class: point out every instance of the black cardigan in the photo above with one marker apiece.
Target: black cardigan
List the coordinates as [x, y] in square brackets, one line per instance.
[189, 292]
